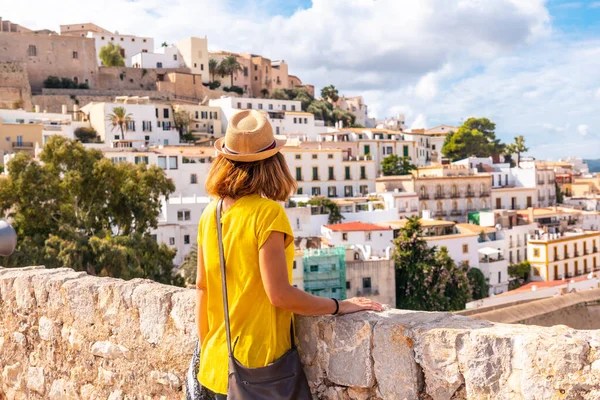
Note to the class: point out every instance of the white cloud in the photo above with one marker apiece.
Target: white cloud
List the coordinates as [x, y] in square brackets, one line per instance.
[419, 122]
[583, 129]
[595, 4]
[572, 4]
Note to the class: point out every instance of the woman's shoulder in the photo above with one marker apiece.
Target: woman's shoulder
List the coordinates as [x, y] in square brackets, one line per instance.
[209, 210]
[263, 204]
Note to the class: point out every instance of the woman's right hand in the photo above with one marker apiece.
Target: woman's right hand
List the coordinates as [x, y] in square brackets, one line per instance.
[358, 304]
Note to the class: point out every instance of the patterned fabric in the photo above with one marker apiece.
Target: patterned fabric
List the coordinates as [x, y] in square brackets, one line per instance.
[193, 389]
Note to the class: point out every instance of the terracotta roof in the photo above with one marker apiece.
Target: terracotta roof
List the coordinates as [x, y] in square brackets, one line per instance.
[355, 227]
[472, 228]
[544, 285]
[425, 223]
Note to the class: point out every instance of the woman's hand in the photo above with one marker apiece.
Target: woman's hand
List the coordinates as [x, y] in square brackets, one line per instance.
[358, 304]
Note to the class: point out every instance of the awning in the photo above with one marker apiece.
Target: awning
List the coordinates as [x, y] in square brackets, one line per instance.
[489, 251]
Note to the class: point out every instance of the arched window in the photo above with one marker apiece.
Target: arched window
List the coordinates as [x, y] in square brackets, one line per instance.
[438, 191]
[423, 191]
[454, 205]
[484, 204]
[439, 208]
[454, 191]
[469, 189]
[469, 205]
[356, 256]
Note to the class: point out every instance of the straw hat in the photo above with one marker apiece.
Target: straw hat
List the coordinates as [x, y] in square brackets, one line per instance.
[249, 137]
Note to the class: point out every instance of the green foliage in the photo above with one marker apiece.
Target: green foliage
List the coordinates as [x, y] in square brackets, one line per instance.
[189, 268]
[110, 55]
[476, 137]
[144, 72]
[1, 169]
[560, 196]
[330, 93]
[188, 137]
[520, 271]
[213, 66]
[235, 89]
[214, 85]
[335, 217]
[18, 104]
[479, 285]
[396, 165]
[264, 93]
[517, 147]
[280, 94]
[182, 120]
[75, 208]
[426, 278]
[118, 120]
[54, 82]
[229, 66]
[86, 134]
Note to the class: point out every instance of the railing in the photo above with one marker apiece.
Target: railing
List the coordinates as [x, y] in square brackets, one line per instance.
[576, 254]
[595, 249]
[567, 255]
[455, 212]
[540, 182]
[485, 194]
[454, 195]
[470, 194]
[510, 245]
[22, 144]
[424, 196]
[491, 260]
[542, 198]
[439, 196]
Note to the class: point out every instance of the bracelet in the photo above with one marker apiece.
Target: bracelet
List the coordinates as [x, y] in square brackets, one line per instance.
[337, 306]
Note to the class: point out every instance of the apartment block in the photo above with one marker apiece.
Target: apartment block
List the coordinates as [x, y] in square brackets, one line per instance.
[325, 272]
[206, 120]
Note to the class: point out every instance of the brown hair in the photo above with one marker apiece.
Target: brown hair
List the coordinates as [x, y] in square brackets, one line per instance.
[269, 178]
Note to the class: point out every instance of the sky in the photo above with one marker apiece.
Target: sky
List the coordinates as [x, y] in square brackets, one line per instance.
[530, 66]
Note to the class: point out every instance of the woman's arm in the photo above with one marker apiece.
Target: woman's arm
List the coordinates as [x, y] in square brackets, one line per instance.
[201, 312]
[274, 272]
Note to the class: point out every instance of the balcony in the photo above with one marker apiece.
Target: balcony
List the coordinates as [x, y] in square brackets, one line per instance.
[469, 194]
[540, 182]
[368, 292]
[491, 259]
[595, 249]
[575, 254]
[567, 255]
[22, 145]
[456, 212]
[424, 196]
[542, 198]
[485, 194]
[439, 196]
[454, 195]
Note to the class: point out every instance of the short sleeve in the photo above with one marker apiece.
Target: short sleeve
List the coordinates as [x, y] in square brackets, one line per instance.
[272, 218]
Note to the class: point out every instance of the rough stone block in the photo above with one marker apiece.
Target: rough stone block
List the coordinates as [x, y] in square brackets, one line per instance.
[46, 329]
[63, 390]
[12, 375]
[165, 379]
[153, 302]
[398, 375]
[35, 379]
[110, 350]
[116, 395]
[72, 337]
[81, 297]
[105, 377]
[351, 345]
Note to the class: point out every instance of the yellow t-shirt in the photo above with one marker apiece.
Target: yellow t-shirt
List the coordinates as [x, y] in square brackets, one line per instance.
[262, 331]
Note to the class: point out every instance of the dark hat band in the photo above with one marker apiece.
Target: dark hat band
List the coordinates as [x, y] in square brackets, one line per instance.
[269, 147]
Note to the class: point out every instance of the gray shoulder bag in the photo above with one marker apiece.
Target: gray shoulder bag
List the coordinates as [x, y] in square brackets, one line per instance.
[283, 379]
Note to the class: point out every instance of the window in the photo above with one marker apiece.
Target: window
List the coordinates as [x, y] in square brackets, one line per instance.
[186, 239]
[201, 67]
[299, 191]
[159, 65]
[405, 150]
[364, 190]
[366, 283]
[316, 191]
[256, 67]
[131, 126]
[363, 172]
[348, 191]
[32, 50]
[298, 173]
[147, 138]
[172, 162]
[284, 107]
[195, 65]
[172, 241]
[314, 156]
[315, 173]
[193, 178]
[347, 173]
[576, 267]
[165, 112]
[75, 54]
[465, 248]
[248, 105]
[499, 276]
[270, 106]
[174, 57]
[141, 160]
[293, 108]
[298, 156]
[536, 252]
[330, 156]
[260, 106]
[147, 126]
[367, 150]
[368, 236]
[306, 120]
[347, 285]
[331, 191]
[183, 215]
[331, 175]
[239, 105]
[295, 120]
[344, 236]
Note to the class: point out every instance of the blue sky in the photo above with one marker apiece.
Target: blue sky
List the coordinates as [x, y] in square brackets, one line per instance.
[529, 65]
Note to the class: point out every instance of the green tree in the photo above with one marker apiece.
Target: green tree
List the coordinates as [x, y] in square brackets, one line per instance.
[164, 44]
[479, 284]
[88, 214]
[229, 66]
[520, 270]
[427, 279]
[111, 55]
[119, 118]
[330, 93]
[335, 216]
[182, 120]
[189, 267]
[213, 66]
[279, 94]
[560, 196]
[517, 147]
[396, 165]
[264, 93]
[476, 137]
[86, 134]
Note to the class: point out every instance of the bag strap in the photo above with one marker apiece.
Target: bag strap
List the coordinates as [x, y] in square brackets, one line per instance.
[224, 285]
[223, 280]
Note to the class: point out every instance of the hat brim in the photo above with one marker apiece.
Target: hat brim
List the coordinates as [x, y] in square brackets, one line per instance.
[280, 141]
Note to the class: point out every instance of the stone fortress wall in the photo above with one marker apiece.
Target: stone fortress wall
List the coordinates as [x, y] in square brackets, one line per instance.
[68, 335]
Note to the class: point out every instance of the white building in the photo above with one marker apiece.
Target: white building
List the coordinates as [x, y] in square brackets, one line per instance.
[327, 172]
[178, 224]
[165, 57]
[298, 270]
[146, 127]
[394, 123]
[579, 164]
[130, 44]
[187, 166]
[205, 122]
[407, 203]
[369, 239]
[194, 54]
[462, 247]
[356, 106]
[53, 123]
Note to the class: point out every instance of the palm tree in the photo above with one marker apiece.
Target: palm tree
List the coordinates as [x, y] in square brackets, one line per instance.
[213, 66]
[517, 148]
[229, 66]
[119, 119]
[264, 93]
[164, 44]
[330, 93]
[189, 266]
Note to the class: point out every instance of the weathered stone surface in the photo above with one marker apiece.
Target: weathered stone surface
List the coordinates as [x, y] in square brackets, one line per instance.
[134, 339]
[46, 329]
[110, 350]
[398, 375]
[63, 390]
[35, 379]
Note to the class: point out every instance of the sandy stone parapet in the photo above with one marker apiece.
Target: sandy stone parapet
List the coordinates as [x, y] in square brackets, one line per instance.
[67, 335]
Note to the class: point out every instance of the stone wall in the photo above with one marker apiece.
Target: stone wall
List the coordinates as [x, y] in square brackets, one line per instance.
[45, 55]
[14, 85]
[67, 335]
